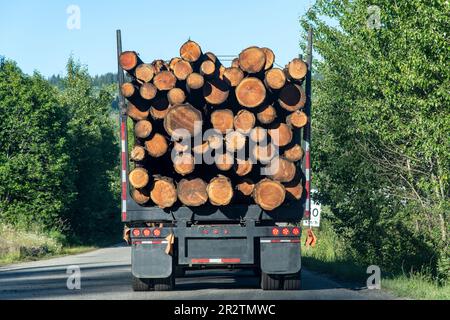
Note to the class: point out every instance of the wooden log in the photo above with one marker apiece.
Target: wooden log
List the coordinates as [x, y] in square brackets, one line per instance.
[269, 194]
[224, 161]
[220, 191]
[235, 63]
[194, 81]
[176, 96]
[163, 192]
[292, 97]
[215, 91]
[243, 167]
[192, 192]
[207, 68]
[182, 121]
[215, 141]
[234, 140]
[201, 148]
[212, 57]
[144, 72]
[281, 170]
[275, 79]
[182, 69]
[252, 60]
[250, 92]
[172, 63]
[136, 113]
[184, 163]
[143, 129]
[270, 58]
[297, 119]
[164, 80]
[222, 120]
[128, 89]
[280, 134]
[190, 51]
[148, 91]
[267, 114]
[160, 65]
[137, 153]
[233, 76]
[158, 114]
[294, 153]
[258, 134]
[157, 145]
[296, 69]
[141, 196]
[138, 177]
[129, 60]
[294, 191]
[264, 154]
[246, 187]
[221, 73]
[180, 146]
[244, 121]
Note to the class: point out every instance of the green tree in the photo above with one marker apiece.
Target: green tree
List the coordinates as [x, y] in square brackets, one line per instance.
[92, 135]
[36, 185]
[382, 126]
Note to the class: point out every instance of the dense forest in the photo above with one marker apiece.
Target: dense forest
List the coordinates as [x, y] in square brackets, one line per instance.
[381, 123]
[59, 153]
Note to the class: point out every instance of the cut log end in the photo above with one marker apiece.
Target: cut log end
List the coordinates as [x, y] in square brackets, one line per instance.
[269, 194]
[275, 79]
[145, 72]
[243, 167]
[215, 91]
[207, 68]
[182, 69]
[135, 113]
[141, 196]
[192, 192]
[292, 97]
[222, 120]
[138, 178]
[294, 153]
[258, 134]
[267, 114]
[137, 153]
[252, 60]
[127, 89]
[220, 191]
[190, 51]
[294, 192]
[281, 134]
[250, 92]
[176, 96]
[195, 81]
[297, 119]
[184, 163]
[297, 69]
[164, 80]
[246, 187]
[157, 145]
[233, 76]
[270, 58]
[128, 60]
[148, 91]
[234, 141]
[143, 129]
[281, 170]
[163, 192]
[224, 162]
[183, 121]
[244, 121]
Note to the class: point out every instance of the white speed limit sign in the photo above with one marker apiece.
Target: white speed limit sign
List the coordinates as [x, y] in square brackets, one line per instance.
[314, 220]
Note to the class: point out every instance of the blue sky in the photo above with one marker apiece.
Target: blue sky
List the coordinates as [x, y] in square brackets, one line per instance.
[36, 36]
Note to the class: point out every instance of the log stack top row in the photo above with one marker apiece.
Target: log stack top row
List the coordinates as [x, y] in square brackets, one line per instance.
[250, 105]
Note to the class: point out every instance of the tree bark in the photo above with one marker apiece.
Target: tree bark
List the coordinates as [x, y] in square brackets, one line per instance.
[220, 191]
[138, 178]
[156, 146]
[192, 192]
[269, 194]
[250, 92]
[163, 192]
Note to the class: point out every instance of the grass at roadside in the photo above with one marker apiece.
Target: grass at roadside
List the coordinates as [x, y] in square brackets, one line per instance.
[329, 256]
[20, 246]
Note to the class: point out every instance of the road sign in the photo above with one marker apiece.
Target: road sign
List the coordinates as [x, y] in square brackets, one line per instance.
[314, 217]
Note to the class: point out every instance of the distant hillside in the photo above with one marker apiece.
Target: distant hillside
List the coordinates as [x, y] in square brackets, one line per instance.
[98, 81]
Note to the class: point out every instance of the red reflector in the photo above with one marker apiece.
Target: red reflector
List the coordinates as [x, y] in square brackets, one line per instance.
[275, 231]
[136, 232]
[285, 231]
[226, 231]
[296, 231]
[215, 231]
[156, 232]
[231, 260]
[146, 232]
[205, 231]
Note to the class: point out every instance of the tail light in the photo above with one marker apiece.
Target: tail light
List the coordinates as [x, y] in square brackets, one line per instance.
[136, 232]
[285, 231]
[146, 232]
[275, 231]
[295, 231]
[156, 232]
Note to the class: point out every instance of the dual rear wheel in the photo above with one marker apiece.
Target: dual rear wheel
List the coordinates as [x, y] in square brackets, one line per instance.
[280, 282]
[158, 284]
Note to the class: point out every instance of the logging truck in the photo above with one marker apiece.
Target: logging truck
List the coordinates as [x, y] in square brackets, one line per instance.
[180, 215]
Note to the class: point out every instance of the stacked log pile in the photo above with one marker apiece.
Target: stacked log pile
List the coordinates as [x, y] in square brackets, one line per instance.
[206, 134]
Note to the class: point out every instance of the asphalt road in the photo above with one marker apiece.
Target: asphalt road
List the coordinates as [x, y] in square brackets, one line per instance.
[105, 274]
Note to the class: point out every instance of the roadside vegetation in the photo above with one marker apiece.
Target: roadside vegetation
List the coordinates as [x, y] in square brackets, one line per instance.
[381, 148]
[59, 184]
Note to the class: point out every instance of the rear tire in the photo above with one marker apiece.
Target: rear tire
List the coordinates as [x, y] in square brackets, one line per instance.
[292, 282]
[140, 284]
[164, 284]
[270, 281]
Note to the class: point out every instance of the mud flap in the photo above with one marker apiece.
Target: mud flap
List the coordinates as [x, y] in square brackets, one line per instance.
[150, 261]
[280, 257]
